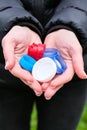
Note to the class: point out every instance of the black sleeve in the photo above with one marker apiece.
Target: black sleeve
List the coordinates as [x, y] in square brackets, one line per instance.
[13, 13]
[70, 14]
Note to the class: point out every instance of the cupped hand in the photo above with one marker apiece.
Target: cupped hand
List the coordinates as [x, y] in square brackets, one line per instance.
[71, 51]
[14, 45]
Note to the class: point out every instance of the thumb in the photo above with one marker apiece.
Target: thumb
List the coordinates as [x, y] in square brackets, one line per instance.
[8, 52]
[78, 65]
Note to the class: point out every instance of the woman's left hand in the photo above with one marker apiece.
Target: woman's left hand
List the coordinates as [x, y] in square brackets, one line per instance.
[70, 49]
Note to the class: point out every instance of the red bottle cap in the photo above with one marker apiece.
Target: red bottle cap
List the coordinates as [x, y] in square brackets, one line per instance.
[36, 50]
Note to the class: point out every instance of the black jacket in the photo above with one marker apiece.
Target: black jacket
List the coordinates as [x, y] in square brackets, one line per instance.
[44, 16]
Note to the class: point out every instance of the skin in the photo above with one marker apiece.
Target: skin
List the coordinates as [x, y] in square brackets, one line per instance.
[70, 49]
[15, 44]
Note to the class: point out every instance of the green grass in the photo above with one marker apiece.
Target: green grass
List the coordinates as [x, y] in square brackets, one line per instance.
[34, 119]
[83, 122]
[81, 126]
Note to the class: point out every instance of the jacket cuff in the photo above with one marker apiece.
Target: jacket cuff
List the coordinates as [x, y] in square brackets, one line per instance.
[67, 18]
[58, 27]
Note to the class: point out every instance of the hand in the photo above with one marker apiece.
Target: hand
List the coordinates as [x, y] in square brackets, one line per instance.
[14, 45]
[70, 49]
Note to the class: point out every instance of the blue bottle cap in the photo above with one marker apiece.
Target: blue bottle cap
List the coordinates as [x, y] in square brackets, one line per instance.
[60, 63]
[50, 52]
[27, 62]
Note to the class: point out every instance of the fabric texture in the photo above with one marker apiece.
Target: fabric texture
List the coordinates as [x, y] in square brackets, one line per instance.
[64, 110]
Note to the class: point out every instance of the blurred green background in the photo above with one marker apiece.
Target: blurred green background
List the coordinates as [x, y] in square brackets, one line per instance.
[81, 126]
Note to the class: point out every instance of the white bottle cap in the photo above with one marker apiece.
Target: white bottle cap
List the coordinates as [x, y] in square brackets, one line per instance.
[44, 69]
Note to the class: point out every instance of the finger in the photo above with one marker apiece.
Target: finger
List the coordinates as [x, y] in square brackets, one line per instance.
[45, 85]
[35, 86]
[27, 78]
[63, 78]
[55, 84]
[78, 64]
[8, 51]
[50, 92]
[17, 71]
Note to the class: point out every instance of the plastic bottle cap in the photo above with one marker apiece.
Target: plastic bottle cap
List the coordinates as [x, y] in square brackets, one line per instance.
[44, 69]
[55, 56]
[27, 62]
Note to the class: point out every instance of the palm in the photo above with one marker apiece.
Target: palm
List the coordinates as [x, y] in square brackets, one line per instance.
[19, 39]
[70, 49]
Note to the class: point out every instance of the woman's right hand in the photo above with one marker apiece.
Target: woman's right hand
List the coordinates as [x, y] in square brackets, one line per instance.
[14, 45]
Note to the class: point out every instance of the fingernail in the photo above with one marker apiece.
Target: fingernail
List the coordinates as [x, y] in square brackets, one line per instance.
[6, 65]
[85, 77]
[47, 98]
[37, 93]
